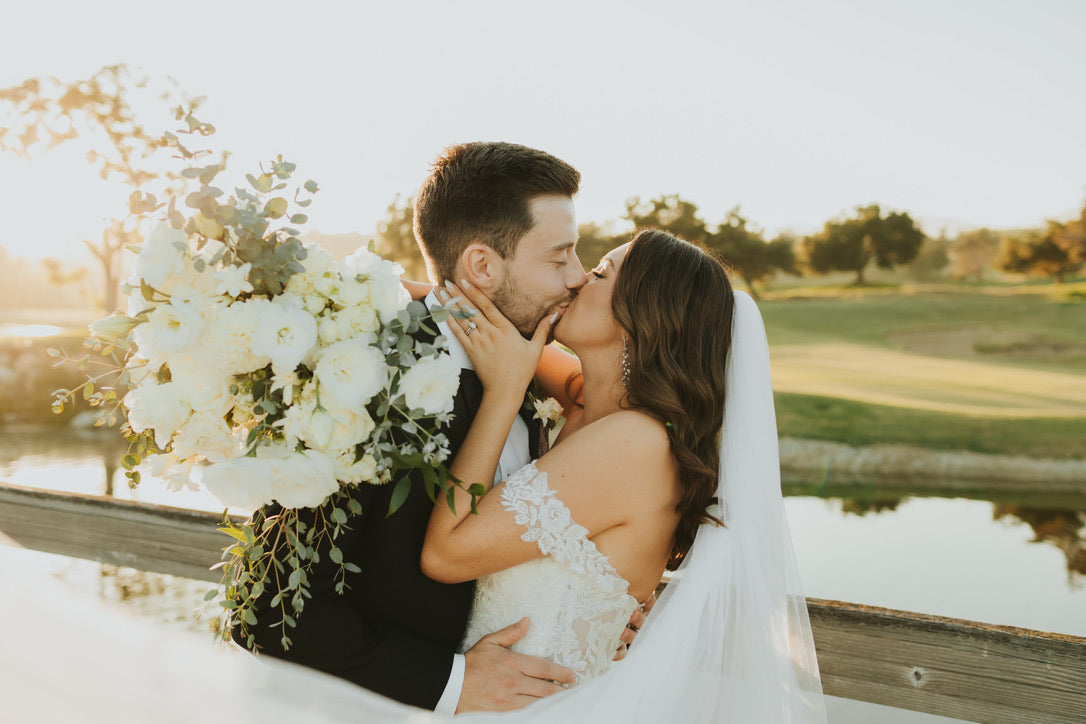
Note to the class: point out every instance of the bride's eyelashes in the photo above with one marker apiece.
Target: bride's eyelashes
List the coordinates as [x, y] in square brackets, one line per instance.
[596, 274]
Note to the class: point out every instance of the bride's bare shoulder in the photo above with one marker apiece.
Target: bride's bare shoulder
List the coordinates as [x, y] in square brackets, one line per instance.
[624, 442]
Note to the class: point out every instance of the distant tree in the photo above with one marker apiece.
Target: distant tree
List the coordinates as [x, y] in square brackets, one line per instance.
[931, 260]
[669, 212]
[744, 249]
[1056, 252]
[972, 253]
[850, 244]
[43, 113]
[396, 238]
[593, 241]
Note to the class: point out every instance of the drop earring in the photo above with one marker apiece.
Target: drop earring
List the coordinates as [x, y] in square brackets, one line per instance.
[625, 362]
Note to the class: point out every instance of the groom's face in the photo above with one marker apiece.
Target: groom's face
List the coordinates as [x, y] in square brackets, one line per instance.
[544, 274]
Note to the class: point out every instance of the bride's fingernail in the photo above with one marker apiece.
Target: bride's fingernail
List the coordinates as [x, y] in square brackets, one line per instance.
[449, 286]
[442, 294]
[554, 317]
[465, 283]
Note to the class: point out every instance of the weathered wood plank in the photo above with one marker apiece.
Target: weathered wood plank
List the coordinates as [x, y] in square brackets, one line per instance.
[964, 669]
[972, 671]
[155, 538]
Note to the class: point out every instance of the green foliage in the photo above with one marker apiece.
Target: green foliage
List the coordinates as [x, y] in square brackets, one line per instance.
[669, 212]
[396, 238]
[593, 242]
[745, 250]
[972, 253]
[851, 243]
[1057, 253]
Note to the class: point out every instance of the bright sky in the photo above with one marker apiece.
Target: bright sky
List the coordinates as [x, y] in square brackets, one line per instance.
[965, 110]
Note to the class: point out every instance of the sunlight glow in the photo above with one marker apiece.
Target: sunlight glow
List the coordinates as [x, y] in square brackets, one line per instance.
[29, 330]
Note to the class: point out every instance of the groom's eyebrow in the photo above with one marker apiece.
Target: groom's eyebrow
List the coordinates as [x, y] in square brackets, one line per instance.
[562, 247]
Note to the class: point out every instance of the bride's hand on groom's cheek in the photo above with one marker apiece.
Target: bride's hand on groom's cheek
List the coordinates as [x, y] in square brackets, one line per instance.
[504, 360]
[637, 620]
[499, 679]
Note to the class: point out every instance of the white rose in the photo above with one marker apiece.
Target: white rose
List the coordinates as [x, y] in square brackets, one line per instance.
[295, 480]
[431, 384]
[243, 482]
[175, 474]
[164, 256]
[285, 335]
[233, 280]
[207, 435]
[347, 470]
[205, 387]
[156, 407]
[230, 339]
[328, 427]
[169, 329]
[303, 480]
[350, 373]
[386, 294]
[318, 264]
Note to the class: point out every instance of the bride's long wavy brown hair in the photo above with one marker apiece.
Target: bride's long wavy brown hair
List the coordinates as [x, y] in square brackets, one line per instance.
[675, 303]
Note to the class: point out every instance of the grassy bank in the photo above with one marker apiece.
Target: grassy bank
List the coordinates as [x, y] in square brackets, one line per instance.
[994, 369]
[858, 423]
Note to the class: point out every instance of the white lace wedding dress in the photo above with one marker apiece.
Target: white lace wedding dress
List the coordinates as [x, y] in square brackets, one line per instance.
[577, 603]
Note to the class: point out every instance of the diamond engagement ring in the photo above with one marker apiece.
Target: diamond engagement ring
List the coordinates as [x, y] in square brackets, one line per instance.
[472, 326]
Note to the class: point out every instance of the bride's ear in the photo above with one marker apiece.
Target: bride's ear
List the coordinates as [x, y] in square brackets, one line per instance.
[482, 266]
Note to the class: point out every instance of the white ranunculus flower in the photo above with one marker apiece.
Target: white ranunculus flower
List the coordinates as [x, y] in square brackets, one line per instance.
[233, 280]
[205, 434]
[386, 294]
[431, 384]
[164, 256]
[169, 329]
[156, 407]
[285, 335]
[350, 373]
[349, 471]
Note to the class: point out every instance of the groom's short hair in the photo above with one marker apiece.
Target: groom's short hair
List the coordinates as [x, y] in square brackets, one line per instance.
[479, 192]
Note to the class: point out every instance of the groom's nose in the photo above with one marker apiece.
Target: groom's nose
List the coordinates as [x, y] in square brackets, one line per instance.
[575, 275]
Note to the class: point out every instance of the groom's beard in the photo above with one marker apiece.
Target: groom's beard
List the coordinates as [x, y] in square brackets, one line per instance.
[523, 312]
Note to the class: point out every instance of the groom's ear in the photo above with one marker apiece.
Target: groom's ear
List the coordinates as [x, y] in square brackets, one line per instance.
[482, 266]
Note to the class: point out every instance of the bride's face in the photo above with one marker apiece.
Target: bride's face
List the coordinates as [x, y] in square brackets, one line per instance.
[589, 321]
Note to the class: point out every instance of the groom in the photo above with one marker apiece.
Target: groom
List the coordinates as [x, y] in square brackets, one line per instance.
[501, 216]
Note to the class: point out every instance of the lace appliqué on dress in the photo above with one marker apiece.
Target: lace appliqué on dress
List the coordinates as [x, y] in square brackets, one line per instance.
[577, 602]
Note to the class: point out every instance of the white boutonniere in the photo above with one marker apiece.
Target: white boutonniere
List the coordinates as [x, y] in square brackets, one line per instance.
[549, 412]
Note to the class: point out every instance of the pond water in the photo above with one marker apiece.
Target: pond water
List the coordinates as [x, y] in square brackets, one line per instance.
[1003, 563]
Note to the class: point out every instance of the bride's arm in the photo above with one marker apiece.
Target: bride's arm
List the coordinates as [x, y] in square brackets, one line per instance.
[557, 369]
[417, 290]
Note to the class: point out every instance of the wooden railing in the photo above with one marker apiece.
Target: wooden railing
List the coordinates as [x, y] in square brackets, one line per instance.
[955, 668]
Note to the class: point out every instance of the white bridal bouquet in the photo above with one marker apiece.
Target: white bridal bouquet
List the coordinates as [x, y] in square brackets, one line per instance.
[261, 368]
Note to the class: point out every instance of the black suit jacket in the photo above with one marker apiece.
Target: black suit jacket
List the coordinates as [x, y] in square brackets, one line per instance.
[394, 630]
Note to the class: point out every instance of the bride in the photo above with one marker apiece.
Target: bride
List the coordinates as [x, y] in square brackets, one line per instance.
[641, 479]
[669, 461]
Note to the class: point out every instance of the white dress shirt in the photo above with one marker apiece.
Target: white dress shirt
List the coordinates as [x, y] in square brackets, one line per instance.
[515, 455]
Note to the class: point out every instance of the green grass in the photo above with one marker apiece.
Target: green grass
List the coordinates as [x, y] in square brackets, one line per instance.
[860, 423]
[898, 397]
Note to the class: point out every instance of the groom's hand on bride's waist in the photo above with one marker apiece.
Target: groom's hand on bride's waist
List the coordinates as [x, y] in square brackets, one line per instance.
[498, 679]
[637, 620]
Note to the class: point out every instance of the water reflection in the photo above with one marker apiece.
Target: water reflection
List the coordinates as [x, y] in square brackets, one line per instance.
[1065, 529]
